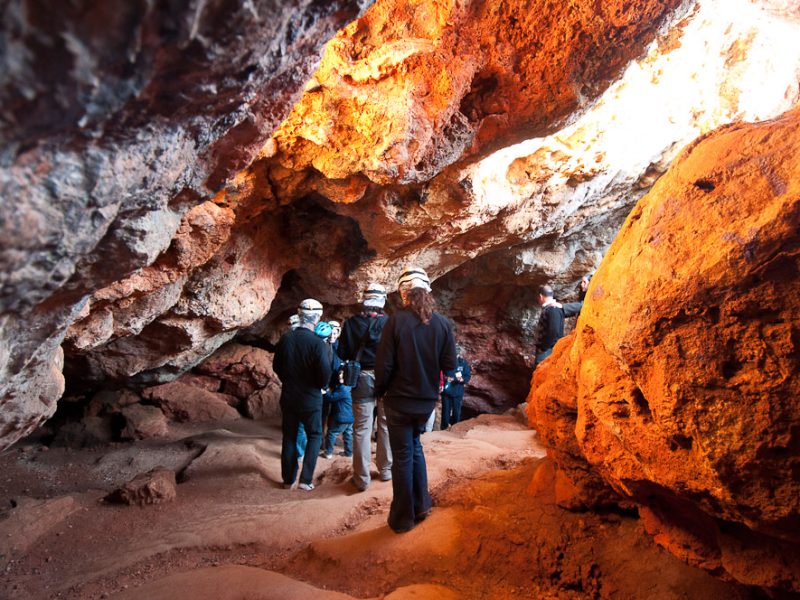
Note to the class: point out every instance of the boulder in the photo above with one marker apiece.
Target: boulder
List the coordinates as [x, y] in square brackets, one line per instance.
[265, 403]
[244, 370]
[154, 487]
[184, 403]
[108, 402]
[143, 422]
[679, 389]
[210, 384]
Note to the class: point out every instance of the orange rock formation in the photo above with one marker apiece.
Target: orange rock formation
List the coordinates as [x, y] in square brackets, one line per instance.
[413, 86]
[678, 391]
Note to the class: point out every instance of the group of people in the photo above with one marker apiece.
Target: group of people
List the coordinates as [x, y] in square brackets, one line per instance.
[407, 360]
[550, 327]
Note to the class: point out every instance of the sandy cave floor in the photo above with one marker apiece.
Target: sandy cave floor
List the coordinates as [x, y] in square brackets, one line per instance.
[234, 532]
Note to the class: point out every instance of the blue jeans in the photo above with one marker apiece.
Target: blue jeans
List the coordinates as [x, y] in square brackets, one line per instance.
[410, 498]
[346, 429]
[302, 440]
[312, 424]
[451, 410]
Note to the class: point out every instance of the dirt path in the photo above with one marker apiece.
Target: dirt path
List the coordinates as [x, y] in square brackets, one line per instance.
[234, 532]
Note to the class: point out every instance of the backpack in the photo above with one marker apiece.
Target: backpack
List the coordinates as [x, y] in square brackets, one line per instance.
[351, 369]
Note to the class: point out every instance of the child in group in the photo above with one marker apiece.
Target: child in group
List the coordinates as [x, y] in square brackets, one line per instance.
[340, 417]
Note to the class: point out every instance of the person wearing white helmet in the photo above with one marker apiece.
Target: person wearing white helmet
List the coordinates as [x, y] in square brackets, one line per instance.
[303, 364]
[416, 346]
[359, 342]
[336, 332]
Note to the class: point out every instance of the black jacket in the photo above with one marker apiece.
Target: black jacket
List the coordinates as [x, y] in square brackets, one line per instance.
[410, 357]
[353, 332]
[303, 363]
[550, 328]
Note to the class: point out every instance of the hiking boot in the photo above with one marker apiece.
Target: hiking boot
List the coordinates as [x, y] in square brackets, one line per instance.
[307, 487]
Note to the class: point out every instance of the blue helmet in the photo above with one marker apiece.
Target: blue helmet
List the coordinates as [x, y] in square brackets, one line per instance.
[323, 329]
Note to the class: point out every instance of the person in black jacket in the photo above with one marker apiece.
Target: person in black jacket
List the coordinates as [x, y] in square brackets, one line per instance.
[550, 327]
[416, 345]
[453, 392]
[359, 341]
[303, 364]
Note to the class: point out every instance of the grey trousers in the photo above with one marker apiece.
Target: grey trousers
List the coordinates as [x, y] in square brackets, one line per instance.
[363, 410]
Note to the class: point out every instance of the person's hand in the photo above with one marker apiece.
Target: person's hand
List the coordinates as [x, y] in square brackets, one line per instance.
[459, 376]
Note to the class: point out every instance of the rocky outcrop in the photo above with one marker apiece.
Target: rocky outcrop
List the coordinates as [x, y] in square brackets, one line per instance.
[377, 166]
[489, 232]
[678, 391]
[117, 119]
[155, 487]
[413, 87]
[143, 422]
[246, 373]
[184, 403]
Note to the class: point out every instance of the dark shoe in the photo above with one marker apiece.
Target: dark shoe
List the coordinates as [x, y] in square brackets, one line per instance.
[402, 529]
[423, 515]
[347, 454]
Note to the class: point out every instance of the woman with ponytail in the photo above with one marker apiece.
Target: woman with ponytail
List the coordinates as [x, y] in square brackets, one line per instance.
[416, 345]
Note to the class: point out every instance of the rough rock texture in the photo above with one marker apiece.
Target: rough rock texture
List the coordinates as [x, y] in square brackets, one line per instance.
[181, 402]
[490, 232]
[413, 87]
[374, 169]
[117, 119]
[242, 369]
[143, 422]
[155, 487]
[679, 389]
[109, 402]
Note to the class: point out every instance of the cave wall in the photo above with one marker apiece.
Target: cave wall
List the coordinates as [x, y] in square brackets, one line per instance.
[117, 119]
[289, 218]
[678, 390]
[177, 220]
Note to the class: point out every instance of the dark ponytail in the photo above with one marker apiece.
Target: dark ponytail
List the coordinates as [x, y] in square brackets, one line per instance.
[420, 301]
